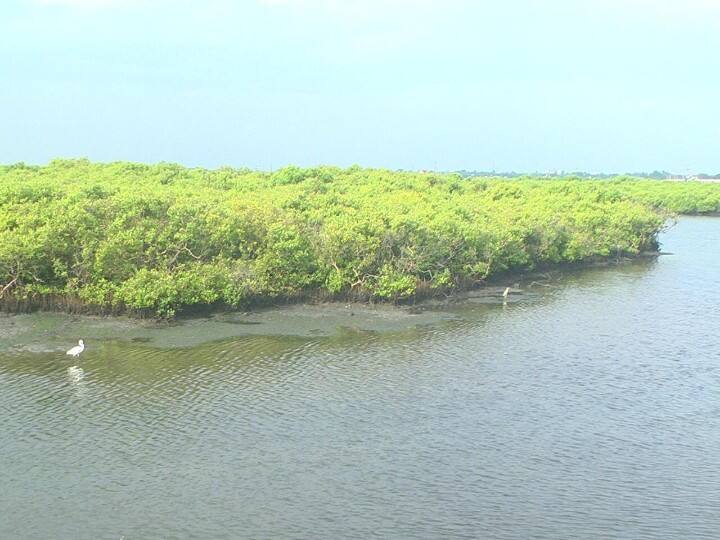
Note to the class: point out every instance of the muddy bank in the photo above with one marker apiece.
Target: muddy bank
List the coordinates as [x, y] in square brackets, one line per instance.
[44, 332]
[55, 332]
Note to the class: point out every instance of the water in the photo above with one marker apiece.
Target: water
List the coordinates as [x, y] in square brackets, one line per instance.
[588, 407]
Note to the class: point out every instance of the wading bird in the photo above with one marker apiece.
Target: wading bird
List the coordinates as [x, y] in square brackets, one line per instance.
[77, 349]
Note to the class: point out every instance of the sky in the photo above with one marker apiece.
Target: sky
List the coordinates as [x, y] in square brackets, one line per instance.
[512, 85]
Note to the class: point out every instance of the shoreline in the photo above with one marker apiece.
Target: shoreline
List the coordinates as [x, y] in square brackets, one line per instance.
[492, 287]
[44, 332]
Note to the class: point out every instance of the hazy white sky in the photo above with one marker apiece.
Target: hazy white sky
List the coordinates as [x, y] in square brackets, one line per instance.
[599, 85]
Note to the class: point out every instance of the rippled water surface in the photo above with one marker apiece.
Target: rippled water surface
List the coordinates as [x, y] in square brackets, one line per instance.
[587, 407]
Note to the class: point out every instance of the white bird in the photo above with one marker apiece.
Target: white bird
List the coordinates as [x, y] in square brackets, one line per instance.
[77, 349]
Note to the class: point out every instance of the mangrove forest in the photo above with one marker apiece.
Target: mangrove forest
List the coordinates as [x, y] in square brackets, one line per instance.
[155, 240]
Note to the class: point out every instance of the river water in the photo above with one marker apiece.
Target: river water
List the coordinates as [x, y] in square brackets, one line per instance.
[587, 407]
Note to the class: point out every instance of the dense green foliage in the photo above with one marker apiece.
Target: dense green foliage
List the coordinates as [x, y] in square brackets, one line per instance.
[156, 239]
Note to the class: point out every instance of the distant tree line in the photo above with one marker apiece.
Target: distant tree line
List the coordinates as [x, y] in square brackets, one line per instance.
[655, 175]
